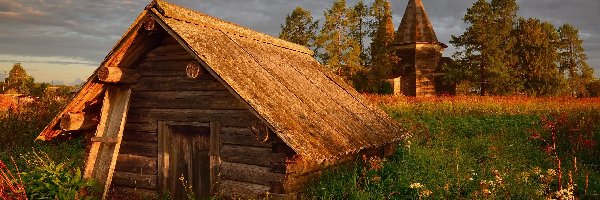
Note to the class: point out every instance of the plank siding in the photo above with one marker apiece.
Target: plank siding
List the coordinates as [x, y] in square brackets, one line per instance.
[164, 93]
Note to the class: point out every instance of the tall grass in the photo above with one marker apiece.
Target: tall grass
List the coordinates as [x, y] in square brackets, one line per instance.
[481, 148]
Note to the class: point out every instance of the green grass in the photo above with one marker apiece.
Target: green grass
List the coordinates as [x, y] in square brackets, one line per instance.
[464, 151]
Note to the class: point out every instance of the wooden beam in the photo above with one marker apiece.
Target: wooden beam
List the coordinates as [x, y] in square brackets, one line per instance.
[102, 156]
[117, 75]
[78, 121]
[215, 156]
[150, 24]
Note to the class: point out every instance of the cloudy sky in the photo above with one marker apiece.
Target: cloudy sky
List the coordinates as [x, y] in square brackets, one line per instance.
[65, 40]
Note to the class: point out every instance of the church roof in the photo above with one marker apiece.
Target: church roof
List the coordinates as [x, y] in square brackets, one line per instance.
[415, 26]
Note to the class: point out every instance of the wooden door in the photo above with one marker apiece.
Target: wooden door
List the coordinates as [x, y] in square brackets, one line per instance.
[185, 161]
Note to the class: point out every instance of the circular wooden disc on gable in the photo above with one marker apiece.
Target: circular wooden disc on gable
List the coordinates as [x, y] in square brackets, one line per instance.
[193, 70]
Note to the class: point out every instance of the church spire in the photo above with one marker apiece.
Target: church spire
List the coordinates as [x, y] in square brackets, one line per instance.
[415, 26]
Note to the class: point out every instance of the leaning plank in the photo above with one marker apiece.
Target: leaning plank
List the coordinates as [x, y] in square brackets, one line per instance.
[78, 121]
[103, 156]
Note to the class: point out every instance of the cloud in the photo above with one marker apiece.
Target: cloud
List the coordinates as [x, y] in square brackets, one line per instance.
[88, 29]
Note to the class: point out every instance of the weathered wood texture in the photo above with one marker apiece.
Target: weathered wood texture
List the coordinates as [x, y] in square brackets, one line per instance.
[132, 46]
[79, 121]
[164, 93]
[102, 157]
[117, 75]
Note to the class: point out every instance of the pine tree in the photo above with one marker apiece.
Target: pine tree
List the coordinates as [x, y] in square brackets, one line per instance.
[359, 28]
[382, 50]
[573, 60]
[537, 51]
[299, 27]
[340, 51]
[485, 48]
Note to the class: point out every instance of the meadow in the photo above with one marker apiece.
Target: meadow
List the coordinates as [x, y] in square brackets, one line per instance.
[471, 147]
[464, 147]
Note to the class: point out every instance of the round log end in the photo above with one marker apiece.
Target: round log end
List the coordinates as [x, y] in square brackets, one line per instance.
[150, 24]
[103, 73]
[193, 70]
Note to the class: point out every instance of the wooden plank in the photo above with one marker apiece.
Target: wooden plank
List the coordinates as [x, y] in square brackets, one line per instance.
[134, 180]
[240, 190]
[250, 174]
[251, 155]
[215, 156]
[103, 156]
[151, 58]
[209, 100]
[201, 176]
[140, 127]
[139, 148]
[163, 159]
[122, 192]
[137, 164]
[136, 136]
[243, 137]
[230, 118]
[179, 83]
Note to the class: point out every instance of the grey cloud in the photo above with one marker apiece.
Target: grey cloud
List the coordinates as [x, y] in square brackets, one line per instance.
[89, 28]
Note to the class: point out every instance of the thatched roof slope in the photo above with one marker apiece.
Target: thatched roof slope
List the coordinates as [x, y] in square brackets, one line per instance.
[415, 26]
[312, 110]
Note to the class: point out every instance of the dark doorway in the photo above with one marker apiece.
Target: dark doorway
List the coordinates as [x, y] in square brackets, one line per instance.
[184, 160]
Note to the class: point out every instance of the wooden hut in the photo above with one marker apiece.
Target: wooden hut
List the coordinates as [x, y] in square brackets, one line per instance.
[234, 112]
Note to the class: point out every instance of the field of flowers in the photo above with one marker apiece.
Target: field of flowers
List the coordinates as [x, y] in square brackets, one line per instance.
[480, 148]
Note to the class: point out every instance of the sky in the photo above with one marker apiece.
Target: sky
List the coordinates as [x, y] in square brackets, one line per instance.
[63, 41]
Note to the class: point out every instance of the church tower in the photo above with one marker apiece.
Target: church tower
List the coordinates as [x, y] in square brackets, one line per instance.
[420, 53]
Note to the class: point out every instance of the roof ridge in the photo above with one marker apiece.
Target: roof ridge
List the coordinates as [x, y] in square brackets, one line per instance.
[187, 15]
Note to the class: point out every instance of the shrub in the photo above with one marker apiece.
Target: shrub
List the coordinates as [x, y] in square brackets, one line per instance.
[48, 180]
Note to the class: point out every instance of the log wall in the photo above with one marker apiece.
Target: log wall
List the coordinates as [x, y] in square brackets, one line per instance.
[164, 93]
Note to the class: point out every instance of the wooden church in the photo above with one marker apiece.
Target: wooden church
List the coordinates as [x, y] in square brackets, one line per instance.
[421, 64]
[230, 111]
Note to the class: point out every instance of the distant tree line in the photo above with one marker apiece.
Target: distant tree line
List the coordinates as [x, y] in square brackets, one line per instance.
[18, 82]
[500, 53]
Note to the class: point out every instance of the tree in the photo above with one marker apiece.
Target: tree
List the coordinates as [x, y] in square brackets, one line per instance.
[299, 28]
[359, 28]
[18, 79]
[340, 51]
[573, 60]
[383, 56]
[537, 52]
[484, 49]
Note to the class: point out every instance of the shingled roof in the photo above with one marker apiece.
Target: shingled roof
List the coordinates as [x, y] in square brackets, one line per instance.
[415, 26]
[311, 109]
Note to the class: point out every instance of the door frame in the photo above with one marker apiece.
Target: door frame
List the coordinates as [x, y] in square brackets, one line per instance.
[214, 152]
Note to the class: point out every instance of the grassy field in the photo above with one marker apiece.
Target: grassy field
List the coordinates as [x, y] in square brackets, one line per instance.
[480, 148]
[459, 148]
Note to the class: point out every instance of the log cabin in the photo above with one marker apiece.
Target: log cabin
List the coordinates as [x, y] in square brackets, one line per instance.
[188, 98]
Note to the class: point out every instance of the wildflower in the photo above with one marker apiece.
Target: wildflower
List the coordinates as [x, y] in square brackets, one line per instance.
[416, 185]
[377, 179]
[425, 193]
[551, 172]
[536, 170]
[486, 191]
